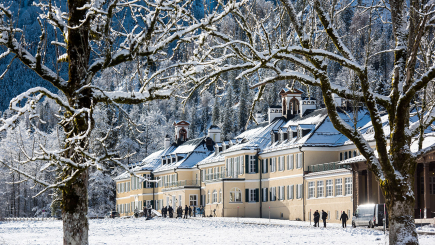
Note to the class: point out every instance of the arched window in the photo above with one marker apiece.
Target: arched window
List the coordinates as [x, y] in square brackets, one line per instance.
[235, 195]
[214, 196]
[341, 156]
[354, 153]
[183, 134]
[220, 196]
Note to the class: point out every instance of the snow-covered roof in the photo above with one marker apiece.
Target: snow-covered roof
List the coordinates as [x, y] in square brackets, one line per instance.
[194, 151]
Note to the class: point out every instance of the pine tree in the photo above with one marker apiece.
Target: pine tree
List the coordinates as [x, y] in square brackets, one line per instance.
[215, 112]
[242, 116]
[227, 125]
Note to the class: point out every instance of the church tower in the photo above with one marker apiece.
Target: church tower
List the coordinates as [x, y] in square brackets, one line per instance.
[181, 130]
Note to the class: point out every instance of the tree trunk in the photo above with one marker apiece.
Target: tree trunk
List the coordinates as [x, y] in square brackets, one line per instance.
[401, 223]
[75, 210]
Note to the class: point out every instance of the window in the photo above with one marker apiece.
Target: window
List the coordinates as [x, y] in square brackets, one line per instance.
[299, 160]
[345, 155]
[215, 196]
[273, 164]
[242, 166]
[251, 164]
[348, 183]
[354, 153]
[329, 187]
[264, 166]
[220, 196]
[311, 187]
[273, 194]
[341, 156]
[264, 195]
[208, 197]
[147, 183]
[281, 193]
[252, 195]
[281, 163]
[290, 162]
[235, 195]
[299, 191]
[320, 188]
[290, 191]
[338, 187]
[350, 154]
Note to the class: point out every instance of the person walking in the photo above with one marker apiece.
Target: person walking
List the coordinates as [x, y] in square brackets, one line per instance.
[190, 211]
[344, 219]
[316, 218]
[186, 211]
[170, 211]
[324, 216]
[164, 212]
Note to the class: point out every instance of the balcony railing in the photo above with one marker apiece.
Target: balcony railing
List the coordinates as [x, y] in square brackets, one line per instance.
[181, 183]
[327, 166]
[214, 176]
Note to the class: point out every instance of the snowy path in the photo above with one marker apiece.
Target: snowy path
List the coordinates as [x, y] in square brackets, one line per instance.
[194, 231]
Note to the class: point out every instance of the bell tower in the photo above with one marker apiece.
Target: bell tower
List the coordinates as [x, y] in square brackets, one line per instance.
[181, 130]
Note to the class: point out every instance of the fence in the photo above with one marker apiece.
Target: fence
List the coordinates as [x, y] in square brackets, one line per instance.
[29, 219]
[181, 183]
[327, 166]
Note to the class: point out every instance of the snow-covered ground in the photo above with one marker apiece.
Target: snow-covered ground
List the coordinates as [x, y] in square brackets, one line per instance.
[195, 231]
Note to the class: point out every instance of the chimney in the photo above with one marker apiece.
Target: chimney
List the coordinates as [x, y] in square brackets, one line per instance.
[306, 104]
[274, 112]
[214, 132]
[167, 142]
[259, 117]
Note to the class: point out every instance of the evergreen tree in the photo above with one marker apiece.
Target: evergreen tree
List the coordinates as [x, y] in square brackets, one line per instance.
[227, 125]
[243, 111]
[215, 112]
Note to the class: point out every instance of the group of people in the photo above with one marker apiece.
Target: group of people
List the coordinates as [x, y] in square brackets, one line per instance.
[316, 214]
[179, 210]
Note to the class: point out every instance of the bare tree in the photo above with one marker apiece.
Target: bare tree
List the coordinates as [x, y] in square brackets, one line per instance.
[300, 42]
[95, 36]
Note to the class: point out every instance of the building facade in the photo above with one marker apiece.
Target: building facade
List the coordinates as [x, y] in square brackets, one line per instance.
[285, 168]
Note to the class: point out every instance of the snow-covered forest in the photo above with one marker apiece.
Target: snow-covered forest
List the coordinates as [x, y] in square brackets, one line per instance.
[220, 62]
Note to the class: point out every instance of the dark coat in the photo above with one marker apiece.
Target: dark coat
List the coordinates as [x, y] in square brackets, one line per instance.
[324, 215]
[316, 216]
[170, 209]
[344, 217]
[186, 210]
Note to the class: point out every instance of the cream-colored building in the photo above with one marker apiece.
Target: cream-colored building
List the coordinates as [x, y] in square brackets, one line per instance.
[285, 168]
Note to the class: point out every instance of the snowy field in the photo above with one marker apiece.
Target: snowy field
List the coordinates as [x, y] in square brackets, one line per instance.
[195, 231]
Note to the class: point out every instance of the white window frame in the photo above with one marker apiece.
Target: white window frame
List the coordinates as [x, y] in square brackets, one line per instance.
[281, 163]
[281, 193]
[235, 195]
[299, 158]
[320, 189]
[215, 196]
[208, 197]
[251, 164]
[311, 189]
[220, 195]
[300, 193]
[290, 192]
[252, 196]
[339, 187]
[264, 166]
[290, 162]
[273, 191]
[348, 186]
[273, 164]
[264, 198]
[329, 188]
